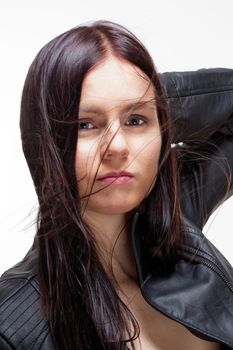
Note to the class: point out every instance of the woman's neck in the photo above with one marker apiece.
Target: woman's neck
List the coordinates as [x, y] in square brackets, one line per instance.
[112, 236]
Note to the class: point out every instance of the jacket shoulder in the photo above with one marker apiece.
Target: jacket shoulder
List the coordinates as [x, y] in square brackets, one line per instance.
[22, 325]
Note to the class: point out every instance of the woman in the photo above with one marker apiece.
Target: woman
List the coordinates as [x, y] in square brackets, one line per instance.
[119, 260]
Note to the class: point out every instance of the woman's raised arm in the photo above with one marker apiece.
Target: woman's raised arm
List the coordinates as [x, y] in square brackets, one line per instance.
[201, 107]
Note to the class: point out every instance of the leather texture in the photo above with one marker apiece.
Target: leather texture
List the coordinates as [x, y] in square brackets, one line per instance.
[199, 293]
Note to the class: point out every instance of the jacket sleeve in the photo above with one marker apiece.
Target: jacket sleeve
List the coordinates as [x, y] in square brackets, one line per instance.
[201, 108]
[4, 345]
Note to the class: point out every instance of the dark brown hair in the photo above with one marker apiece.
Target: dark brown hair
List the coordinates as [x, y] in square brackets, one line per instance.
[78, 299]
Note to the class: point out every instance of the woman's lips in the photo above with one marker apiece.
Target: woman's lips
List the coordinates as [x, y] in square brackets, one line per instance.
[116, 178]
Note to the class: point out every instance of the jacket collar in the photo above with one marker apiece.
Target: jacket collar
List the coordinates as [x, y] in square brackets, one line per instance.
[198, 293]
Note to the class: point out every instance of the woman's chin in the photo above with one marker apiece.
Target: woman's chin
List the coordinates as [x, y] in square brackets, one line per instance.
[113, 208]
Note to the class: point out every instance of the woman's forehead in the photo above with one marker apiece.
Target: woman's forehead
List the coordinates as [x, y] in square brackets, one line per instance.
[115, 82]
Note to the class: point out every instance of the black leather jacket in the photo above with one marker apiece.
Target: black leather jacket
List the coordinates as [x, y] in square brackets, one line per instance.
[199, 293]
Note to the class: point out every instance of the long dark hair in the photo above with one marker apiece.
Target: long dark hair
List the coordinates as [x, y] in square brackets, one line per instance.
[83, 308]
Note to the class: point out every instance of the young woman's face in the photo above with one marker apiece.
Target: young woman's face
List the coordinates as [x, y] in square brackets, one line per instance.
[119, 138]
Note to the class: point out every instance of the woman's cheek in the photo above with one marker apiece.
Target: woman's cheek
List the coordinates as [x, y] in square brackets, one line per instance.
[149, 148]
[81, 166]
[86, 164]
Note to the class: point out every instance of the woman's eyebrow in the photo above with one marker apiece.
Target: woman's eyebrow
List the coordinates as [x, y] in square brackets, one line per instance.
[97, 109]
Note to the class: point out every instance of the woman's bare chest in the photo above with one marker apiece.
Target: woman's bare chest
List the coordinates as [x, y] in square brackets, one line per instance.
[159, 332]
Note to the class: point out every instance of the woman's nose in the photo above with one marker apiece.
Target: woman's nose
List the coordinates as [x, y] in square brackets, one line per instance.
[115, 145]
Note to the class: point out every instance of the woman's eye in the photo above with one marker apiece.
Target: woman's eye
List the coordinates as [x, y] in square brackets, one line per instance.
[85, 125]
[135, 121]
